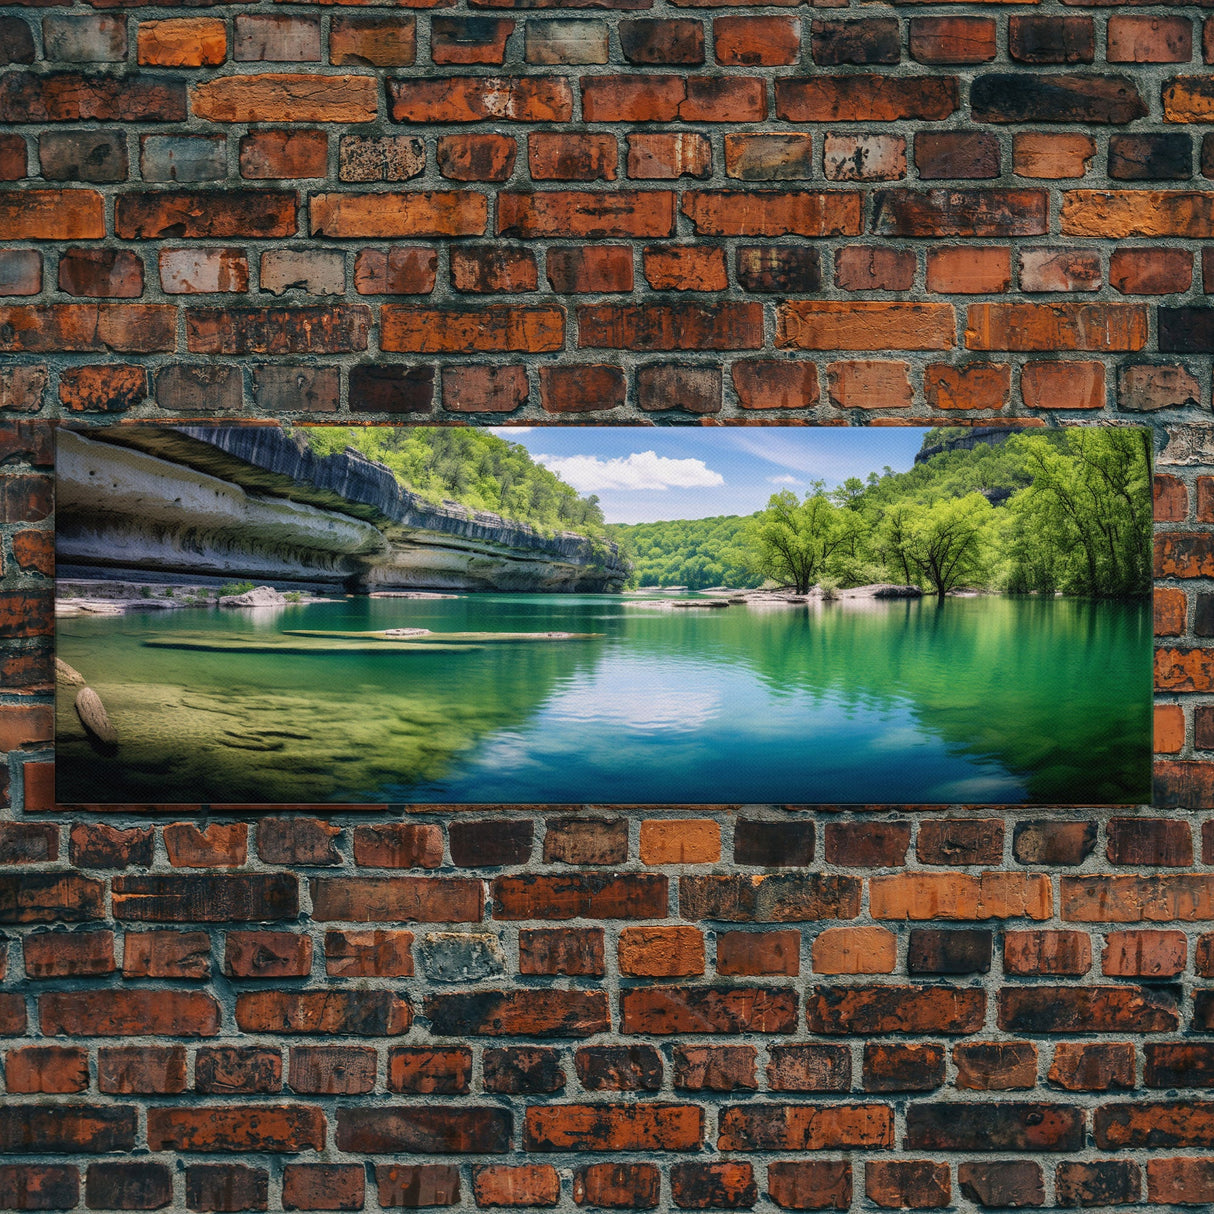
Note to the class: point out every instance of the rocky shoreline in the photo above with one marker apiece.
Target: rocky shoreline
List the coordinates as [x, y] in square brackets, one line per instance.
[88, 596]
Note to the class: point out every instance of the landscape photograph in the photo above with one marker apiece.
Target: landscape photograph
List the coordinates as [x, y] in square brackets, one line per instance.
[603, 615]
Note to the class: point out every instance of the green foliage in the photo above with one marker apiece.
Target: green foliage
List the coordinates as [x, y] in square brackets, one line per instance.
[293, 596]
[1071, 512]
[794, 541]
[696, 553]
[234, 588]
[471, 467]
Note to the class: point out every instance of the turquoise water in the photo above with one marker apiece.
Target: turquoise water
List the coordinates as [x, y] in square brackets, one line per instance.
[976, 700]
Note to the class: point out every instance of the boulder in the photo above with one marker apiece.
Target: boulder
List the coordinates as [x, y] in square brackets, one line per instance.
[259, 596]
[95, 720]
[67, 674]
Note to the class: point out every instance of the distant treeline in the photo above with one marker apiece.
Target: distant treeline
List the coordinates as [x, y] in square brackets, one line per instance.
[471, 467]
[1072, 513]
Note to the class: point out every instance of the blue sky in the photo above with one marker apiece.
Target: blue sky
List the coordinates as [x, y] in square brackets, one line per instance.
[646, 473]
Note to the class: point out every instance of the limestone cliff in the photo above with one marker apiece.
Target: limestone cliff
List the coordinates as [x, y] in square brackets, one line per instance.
[250, 501]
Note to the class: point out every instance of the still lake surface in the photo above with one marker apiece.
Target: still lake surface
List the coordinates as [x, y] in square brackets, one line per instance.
[976, 700]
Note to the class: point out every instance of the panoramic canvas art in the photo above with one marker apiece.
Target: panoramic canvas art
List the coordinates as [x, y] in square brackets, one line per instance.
[696, 615]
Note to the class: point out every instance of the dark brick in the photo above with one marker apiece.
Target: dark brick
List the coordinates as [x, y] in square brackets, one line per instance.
[1150, 157]
[773, 844]
[490, 843]
[960, 951]
[1003, 97]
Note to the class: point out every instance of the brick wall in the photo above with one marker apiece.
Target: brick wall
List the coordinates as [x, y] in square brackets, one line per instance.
[517, 206]
[921, 212]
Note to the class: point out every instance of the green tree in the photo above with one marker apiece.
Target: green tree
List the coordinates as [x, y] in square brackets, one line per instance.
[794, 541]
[946, 542]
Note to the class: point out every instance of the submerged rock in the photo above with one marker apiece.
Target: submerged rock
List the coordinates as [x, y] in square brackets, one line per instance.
[67, 674]
[259, 596]
[95, 720]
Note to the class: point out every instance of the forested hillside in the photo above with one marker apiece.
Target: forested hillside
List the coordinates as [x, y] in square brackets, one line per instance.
[1065, 511]
[471, 467]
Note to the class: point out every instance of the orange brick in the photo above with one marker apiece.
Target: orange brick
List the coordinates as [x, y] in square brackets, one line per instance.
[755, 953]
[1169, 728]
[870, 384]
[989, 895]
[680, 841]
[281, 97]
[969, 270]
[1135, 954]
[661, 952]
[1051, 157]
[1171, 611]
[183, 42]
[855, 950]
[1062, 385]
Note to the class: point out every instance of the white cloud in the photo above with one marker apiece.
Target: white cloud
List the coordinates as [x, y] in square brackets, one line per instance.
[508, 432]
[640, 470]
[784, 480]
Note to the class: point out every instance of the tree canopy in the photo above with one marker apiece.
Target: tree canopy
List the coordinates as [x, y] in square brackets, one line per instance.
[471, 467]
[1067, 510]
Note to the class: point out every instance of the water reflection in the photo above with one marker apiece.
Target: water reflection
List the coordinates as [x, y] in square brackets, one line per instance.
[986, 699]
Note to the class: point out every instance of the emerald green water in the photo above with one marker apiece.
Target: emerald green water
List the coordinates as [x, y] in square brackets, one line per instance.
[975, 700]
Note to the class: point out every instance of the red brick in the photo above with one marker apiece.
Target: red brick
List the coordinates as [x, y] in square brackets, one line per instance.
[756, 41]
[315, 1186]
[969, 270]
[401, 270]
[262, 954]
[332, 1070]
[105, 327]
[772, 213]
[1051, 157]
[872, 384]
[246, 1127]
[668, 98]
[99, 845]
[504, 327]
[1151, 271]
[29, 842]
[399, 845]
[810, 1185]
[1059, 270]
[1169, 728]
[874, 268]
[661, 952]
[952, 39]
[685, 268]
[557, 156]
[408, 1129]
[579, 389]
[167, 954]
[429, 1071]
[577, 951]
[1093, 1066]
[657, 42]
[76, 97]
[1149, 841]
[618, 1186]
[228, 1069]
[108, 388]
[614, 1127]
[182, 42]
[219, 845]
[1179, 1181]
[417, 1185]
[809, 1068]
[995, 1066]
[864, 325]
[379, 41]
[468, 40]
[894, 1009]
[49, 1068]
[484, 389]
[1063, 385]
[677, 326]
[668, 155]
[903, 1068]
[901, 1184]
[707, 1009]
[284, 154]
[204, 213]
[285, 97]
[714, 1068]
[479, 99]
[368, 954]
[335, 329]
[972, 386]
[864, 97]
[122, 1013]
[476, 157]
[805, 1127]
[620, 213]
[24, 498]
[713, 1186]
[592, 270]
[775, 385]
[503, 1185]
[436, 213]
[956, 154]
[1149, 39]
[752, 954]
[695, 389]
[151, 1070]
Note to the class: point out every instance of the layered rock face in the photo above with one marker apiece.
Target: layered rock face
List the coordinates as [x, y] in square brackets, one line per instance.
[252, 502]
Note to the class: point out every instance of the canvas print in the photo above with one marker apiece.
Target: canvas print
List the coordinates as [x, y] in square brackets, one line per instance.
[684, 615]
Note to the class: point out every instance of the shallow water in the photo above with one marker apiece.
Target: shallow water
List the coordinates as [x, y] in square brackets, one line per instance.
[977, 700]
